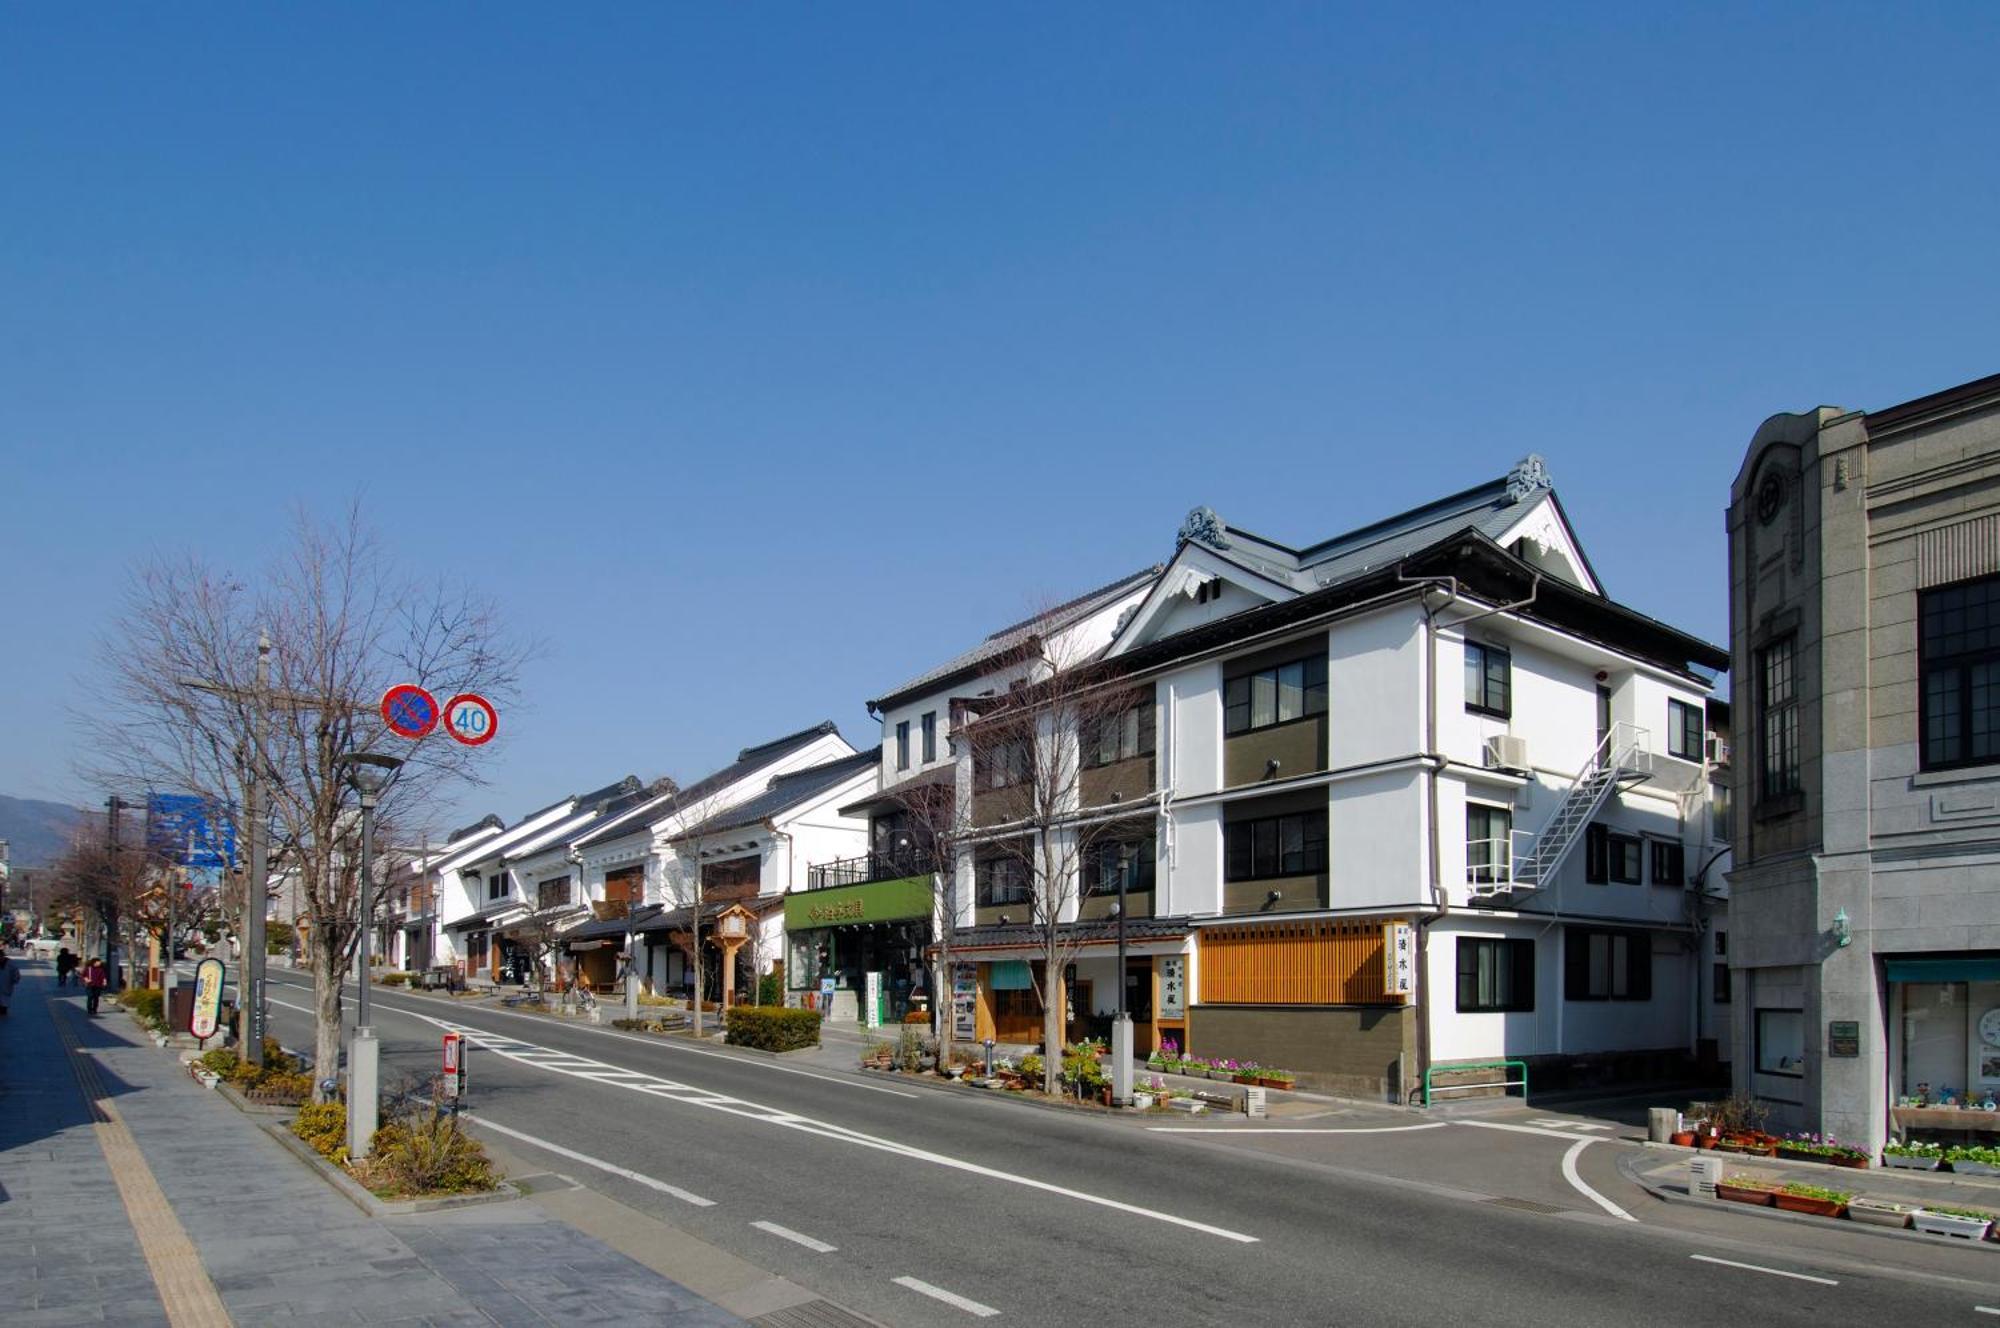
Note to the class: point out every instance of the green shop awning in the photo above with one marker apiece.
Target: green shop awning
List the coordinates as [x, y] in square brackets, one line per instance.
[1958, 969]
[1010, 975]
[871, 901]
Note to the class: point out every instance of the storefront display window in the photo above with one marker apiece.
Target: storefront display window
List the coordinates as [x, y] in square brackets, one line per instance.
[1781, 1042]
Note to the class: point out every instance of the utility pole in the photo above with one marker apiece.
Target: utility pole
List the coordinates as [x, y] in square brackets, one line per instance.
[256, 889]
[108, 914]
[1121, 1025]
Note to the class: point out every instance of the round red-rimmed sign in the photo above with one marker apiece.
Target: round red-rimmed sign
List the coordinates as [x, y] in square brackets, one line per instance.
[471, 718]
[409, 710]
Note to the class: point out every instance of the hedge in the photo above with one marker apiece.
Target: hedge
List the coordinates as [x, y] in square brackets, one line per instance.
[771, 1027]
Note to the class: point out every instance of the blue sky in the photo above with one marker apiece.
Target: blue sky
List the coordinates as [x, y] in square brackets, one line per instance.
[756, 357]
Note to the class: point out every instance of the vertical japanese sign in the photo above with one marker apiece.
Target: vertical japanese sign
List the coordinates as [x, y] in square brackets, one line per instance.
[872, 995]
[1173, 987]
[1399, 959]
[964, 1001]
[206, 1015]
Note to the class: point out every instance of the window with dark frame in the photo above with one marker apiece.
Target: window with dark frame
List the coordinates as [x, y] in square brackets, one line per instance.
[1720, 990]
[1275, 846]
[1778, 718]
[1686, 727]
[1489, 844]
[1277, 695]
[1489, 682]
[1106, 861]
[1721, 823]
[1000, 881]
[1120, 737]
[552, 893]
[1612, 858]
[1958, 670]
[903, 744]
[1007, 763]
[1669, 863]
[496, 887]
[1600, 964]
[1495, 975]
[930, 736]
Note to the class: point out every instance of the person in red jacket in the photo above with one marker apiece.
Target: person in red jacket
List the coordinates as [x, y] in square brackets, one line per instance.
[95, 980]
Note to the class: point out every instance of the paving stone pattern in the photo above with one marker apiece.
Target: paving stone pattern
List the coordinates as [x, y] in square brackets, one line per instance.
[281, 1246]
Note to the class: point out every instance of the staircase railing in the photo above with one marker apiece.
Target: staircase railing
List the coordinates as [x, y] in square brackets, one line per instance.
[1622, 758]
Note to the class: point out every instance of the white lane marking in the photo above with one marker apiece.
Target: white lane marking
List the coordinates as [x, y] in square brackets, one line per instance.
[1760, 1268]
[1555, 1124]
[1279, 1129]
[1570, 1175]
[636, 1177]
[1516, 1129]
[796, 1237]
[650, 1041]
[1984, 1309]
[689, 1095]
[948, 1297]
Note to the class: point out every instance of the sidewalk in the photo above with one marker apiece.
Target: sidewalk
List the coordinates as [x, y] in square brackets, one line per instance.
[234, 1224]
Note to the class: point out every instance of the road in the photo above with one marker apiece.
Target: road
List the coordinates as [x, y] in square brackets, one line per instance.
[916, 1207]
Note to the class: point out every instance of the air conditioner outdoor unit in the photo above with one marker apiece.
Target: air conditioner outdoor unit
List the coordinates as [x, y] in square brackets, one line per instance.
[1507, 752]
[1716, 748]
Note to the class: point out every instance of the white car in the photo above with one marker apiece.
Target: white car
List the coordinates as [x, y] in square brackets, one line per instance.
[45, 947]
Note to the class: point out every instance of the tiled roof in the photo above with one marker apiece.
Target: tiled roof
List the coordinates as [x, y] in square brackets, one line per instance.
[486, 822]
[787, 791]
[1007, 638]
[649, 809]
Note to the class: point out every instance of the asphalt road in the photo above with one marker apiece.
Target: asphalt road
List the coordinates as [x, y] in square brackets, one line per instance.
[1054, 1217]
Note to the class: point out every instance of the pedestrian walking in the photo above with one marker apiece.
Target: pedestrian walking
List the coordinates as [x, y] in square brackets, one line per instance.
[10, 978]
[65, 965]
[95, 980]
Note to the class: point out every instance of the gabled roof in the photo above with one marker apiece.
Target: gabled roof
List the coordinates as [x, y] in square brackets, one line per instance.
[787, 791]
[485, 823]
[644, 813]
[1490, 509]
[971, 662]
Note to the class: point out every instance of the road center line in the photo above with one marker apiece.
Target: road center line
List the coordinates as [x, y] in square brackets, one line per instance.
[1984, 1309]
[948, 1297]
[1775, 1272]
[638, 1178]
[1279, 1129]
[796, 1237]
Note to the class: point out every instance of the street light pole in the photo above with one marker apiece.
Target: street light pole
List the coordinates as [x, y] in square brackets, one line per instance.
[1121, 1024]
[369, 773]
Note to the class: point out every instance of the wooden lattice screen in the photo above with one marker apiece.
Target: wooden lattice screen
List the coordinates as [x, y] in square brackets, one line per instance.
[1315, 961]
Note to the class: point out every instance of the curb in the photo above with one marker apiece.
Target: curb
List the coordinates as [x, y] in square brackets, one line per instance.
[1630, 1172]
[368, 1203]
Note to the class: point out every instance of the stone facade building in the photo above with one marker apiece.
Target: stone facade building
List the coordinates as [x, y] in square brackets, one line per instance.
[1864, 941]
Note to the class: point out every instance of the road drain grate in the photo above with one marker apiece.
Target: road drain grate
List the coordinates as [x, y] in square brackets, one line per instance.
[813, 1314]
[1526, 1205]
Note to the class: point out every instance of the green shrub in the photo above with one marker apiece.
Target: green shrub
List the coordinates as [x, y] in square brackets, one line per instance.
[426, 1153]
[278, 937]
[148, 1003]
[394, 979]
[1080, 1067]
[323, 1125]
[221, 1061]
[771, 989]
[770, 1027]
[1031, 1066]
[289, 1089]
[909, 1050]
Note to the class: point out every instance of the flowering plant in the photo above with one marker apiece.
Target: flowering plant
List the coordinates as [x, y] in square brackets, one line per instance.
[1913, 1148]
[1817, 1145]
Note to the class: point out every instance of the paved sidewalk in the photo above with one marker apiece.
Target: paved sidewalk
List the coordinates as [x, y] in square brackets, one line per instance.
[276, 1241]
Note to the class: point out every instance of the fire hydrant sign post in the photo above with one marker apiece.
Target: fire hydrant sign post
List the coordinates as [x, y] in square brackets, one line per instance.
[206, 1015]
[454, 1069]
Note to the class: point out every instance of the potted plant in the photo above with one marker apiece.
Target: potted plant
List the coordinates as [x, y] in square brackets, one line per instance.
[1681, 1138]
[1879, 1212]
[1223, 1071]
[1911, 1155]
[1819, 1201]
[1973, 1160]
[1958, 1223]
[1747, 1188]
[1247, 1072]
[1283, 1079]
[1822, 1148]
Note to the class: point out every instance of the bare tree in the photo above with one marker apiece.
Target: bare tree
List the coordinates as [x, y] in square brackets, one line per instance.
[188, 710]
[1027, 746]
[107, 880]
[935, 826]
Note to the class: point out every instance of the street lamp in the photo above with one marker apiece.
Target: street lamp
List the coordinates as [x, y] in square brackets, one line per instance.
[369, 773]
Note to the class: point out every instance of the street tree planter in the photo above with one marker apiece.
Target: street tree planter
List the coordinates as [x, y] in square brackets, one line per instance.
[1933, 1223]
[1814, 1205]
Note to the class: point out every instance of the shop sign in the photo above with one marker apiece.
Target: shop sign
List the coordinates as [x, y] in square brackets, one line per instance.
[964, 1001]
[1173, 987]
[1843, 1038]
[1399, 958]
[873, 996]
[874, 901]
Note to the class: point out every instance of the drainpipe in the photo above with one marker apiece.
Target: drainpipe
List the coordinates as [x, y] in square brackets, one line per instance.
[1440, 898]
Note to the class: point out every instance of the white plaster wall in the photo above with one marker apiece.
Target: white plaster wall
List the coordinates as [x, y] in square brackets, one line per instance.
[1190, 740]
[1378, 850]
[1192, 877]
[1375, 700]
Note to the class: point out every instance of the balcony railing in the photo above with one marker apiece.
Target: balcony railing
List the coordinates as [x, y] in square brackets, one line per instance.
[887, 866]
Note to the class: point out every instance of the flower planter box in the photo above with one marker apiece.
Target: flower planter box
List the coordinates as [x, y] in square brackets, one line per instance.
[1904, 1162]
[1759, 1198]
[1805, 1203]
[1283, 1085]
[1824, 1159]
[1142, 1101]
[1748, 1150]
[1879, 1213]
[1944, 1224]
[1223, 1076]
[1250, 1079]
[1967, 1167]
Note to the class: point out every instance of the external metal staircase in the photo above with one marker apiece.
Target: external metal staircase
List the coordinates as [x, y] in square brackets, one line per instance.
[1623, 759]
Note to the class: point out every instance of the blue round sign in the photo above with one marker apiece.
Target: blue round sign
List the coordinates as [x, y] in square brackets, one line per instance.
[409, 710]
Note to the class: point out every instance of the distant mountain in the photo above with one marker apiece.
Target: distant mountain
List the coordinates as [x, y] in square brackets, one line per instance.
[36, 832]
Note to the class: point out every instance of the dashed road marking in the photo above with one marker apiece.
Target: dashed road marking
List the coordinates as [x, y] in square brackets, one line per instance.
[1760, 1268]
[796, 1237]
[612, 1167]
[948, 1297]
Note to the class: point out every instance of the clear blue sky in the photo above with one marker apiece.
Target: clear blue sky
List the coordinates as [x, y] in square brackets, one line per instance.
[758, 356]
